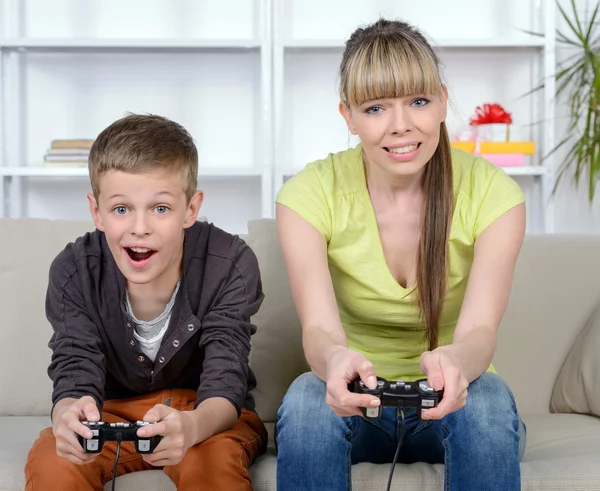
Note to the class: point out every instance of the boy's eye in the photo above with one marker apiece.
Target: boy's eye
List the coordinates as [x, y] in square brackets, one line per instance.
[161, 209]
[120, 210]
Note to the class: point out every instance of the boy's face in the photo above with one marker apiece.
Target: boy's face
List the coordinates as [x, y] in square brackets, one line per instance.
[143, 216]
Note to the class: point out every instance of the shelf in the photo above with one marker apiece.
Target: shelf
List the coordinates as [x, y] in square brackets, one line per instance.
[527, 170]
[536, 43]
[39, 171]
[125, 44]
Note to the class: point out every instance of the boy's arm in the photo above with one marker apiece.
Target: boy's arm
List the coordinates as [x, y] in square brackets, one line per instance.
[77, 363]
[225, 339]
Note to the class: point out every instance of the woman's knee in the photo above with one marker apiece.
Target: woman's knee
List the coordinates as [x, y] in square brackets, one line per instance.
[304, 397]
[304, 413]
[490, 408]
[490, 397]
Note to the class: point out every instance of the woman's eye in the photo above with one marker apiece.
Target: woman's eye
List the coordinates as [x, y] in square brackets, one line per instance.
[421, 102]
[374, 110]
[120, 210]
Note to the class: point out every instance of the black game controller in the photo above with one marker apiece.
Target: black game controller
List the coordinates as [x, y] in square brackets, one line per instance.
[107, 432]
[418, 394]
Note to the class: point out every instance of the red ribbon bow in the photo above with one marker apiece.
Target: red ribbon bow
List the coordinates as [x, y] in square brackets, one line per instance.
[491, 113]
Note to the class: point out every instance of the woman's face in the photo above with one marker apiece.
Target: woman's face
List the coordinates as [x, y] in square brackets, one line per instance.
[399, 135]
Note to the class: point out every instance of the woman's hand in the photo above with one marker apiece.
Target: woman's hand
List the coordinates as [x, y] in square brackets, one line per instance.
[443, 372]
[343, 367]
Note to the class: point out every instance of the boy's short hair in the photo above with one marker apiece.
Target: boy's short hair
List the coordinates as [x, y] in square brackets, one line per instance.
[139, 143]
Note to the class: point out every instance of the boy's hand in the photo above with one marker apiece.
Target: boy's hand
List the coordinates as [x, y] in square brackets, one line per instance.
[67, 417]
[177, 430]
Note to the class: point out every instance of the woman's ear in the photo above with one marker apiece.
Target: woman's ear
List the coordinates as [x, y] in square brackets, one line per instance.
[347, 115]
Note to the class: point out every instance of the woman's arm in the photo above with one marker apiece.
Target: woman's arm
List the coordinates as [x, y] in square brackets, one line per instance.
[323, 338]
[488, 291]
[305, 254]
[486, 298]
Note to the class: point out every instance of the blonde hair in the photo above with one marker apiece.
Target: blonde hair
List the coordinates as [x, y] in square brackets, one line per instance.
[140, 143]
[390, 59]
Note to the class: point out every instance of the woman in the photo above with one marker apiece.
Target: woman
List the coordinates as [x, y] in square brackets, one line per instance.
[400, 254]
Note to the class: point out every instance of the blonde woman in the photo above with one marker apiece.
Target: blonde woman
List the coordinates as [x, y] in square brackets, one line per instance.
[400, 254]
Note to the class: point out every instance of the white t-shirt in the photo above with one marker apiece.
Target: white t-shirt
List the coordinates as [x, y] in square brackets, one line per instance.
[149, 334]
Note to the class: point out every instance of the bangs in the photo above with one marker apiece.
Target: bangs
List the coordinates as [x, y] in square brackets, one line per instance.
[384, 69]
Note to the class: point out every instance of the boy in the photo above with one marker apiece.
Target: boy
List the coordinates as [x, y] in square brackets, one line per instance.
[151, 317]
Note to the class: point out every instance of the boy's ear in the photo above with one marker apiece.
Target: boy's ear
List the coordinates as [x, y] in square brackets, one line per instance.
[193, 209]
[93, 205]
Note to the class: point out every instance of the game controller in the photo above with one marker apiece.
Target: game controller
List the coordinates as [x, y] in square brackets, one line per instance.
[418, 394]
[107, 432]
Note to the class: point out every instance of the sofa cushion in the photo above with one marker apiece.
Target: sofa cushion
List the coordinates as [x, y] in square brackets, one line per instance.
[277, 356]
[28, 249]
[576, 389]
[18, 434]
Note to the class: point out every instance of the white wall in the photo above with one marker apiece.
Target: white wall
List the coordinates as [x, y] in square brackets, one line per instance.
[216, 95]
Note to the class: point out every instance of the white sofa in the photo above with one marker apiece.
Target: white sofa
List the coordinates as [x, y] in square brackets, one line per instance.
[556, 291]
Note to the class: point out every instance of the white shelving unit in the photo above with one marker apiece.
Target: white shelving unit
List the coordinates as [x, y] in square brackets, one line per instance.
[305, 65]
[33, 53]
[254, 81]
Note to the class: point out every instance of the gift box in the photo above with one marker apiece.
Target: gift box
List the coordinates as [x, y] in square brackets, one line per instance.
[505, 159]
[491, 123]
[464, 146]
[526, 147]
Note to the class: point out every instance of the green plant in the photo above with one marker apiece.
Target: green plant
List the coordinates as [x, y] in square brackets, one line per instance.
[578, 78]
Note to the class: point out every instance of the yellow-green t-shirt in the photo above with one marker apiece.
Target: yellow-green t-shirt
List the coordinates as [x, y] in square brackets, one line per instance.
[379, 316]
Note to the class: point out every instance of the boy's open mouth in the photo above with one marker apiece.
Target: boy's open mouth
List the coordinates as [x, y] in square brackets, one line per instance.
[139, 253]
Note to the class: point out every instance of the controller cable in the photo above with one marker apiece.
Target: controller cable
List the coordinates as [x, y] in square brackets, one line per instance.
[119, 439]
[400, 440]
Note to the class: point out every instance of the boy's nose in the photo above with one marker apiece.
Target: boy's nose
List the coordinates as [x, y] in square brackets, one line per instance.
[141, 226]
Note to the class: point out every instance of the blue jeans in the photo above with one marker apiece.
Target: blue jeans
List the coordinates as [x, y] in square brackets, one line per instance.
[481, 444]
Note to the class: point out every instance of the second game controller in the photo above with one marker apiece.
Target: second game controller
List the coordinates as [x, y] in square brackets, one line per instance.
[418, 394]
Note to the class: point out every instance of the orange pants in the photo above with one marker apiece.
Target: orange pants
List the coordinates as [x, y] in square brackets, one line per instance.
[218, 463]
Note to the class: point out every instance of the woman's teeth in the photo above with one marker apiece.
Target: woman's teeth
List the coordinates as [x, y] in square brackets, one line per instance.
[407, 149]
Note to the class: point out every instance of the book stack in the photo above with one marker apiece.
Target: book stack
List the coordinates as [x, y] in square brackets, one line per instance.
[68, 153]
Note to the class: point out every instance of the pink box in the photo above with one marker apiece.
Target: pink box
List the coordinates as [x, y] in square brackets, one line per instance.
[505, 159]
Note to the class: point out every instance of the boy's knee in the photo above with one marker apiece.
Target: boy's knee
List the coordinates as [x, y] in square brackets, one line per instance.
[45, 469]
[215, 455]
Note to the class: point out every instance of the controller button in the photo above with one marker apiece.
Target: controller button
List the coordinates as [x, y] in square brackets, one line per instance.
[425, 386]
[144, 445]
[92, 445]
[427, 403]
[95, 432]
